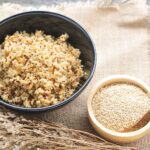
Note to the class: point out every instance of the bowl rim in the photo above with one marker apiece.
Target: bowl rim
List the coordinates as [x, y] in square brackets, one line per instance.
[107, 81]
[73, 96]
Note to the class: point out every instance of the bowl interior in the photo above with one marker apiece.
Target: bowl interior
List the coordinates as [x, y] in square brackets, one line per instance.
[54, 24]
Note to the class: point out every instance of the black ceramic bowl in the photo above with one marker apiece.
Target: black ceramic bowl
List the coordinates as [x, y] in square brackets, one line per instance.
[54, 24]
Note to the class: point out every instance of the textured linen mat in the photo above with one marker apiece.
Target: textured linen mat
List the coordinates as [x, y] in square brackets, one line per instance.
[120, 32]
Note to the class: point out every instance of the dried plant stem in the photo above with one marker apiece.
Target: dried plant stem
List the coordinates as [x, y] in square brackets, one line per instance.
[18, 132]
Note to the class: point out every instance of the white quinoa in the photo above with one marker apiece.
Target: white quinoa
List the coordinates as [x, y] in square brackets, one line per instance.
[120, 106]
[37, 69]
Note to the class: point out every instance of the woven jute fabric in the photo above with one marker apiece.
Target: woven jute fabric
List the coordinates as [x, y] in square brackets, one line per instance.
[120, 32]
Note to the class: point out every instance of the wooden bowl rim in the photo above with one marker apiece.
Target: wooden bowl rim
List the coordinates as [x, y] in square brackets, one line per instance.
[114, 79]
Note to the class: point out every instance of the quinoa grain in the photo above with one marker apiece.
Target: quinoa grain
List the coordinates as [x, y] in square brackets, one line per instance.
[37, 69]
[120, 106]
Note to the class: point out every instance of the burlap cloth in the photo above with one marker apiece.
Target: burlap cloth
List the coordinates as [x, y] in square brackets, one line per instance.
[120, 33]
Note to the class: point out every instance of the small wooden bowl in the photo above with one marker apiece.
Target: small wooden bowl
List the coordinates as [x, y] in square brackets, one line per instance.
[114, 136]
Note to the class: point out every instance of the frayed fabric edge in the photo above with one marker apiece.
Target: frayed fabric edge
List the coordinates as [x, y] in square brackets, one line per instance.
[98, 3]
[14, 8]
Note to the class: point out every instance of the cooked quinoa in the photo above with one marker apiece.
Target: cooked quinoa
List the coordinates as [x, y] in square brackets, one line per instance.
[38, 70]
